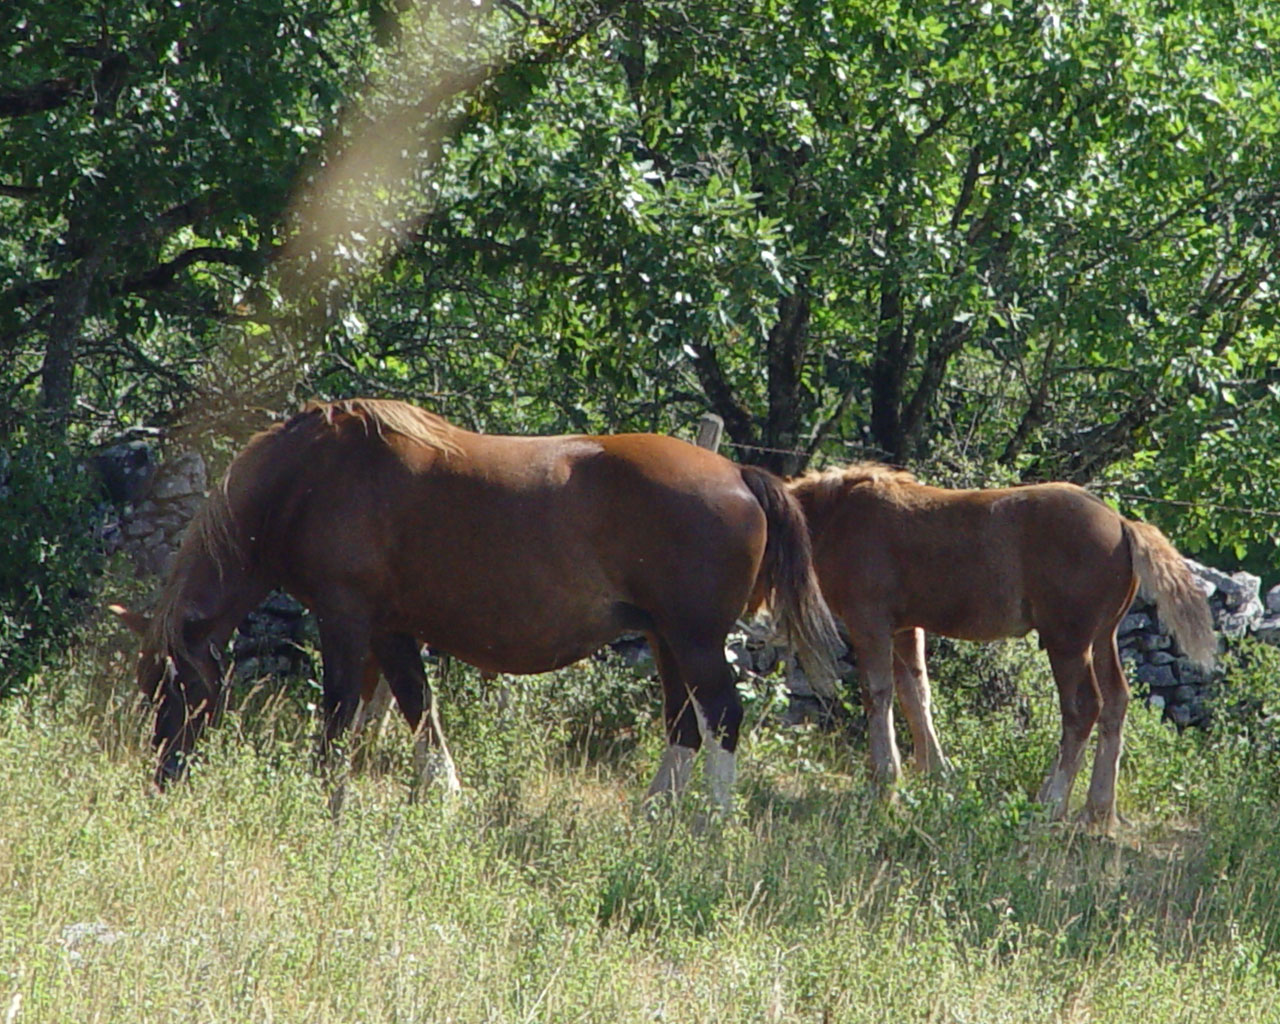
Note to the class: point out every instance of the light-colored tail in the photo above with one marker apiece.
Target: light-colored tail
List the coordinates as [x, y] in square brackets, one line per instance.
[1163, 576]
[790, 585]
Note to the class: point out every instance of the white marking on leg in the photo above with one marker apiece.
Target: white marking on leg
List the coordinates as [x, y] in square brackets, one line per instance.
[722, 770]
[722, 766]
[1100, 805]
[431, 757]
[1055, 794]
[673, 773]
[371, 713]
[338, 771]
[911, 679]
[876, 663]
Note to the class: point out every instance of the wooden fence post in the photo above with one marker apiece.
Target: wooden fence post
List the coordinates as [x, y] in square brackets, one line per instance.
[710, 430]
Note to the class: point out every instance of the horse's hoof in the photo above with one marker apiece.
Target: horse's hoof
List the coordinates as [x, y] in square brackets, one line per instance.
[1104, 821]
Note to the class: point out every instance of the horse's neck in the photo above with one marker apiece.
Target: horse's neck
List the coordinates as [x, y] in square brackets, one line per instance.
[214, 587]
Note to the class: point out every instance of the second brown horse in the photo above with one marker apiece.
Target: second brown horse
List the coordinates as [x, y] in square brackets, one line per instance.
[896, 557]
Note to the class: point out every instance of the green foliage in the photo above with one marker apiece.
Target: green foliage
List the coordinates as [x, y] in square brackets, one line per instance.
[1001, 241]
[48, 511]
[1245, 707]
[855, 222]
[145, 199]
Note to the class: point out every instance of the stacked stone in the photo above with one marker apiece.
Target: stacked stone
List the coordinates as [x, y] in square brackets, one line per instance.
[754, 651]
[1162, 674]
[151, 505]
[274, 640]
[155, 504]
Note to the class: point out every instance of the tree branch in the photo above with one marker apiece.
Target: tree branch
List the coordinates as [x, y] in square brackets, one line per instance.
[828, 423]
[737, 418]
[1033, 417]
[181, 215]
[164, 274]
[34, 99]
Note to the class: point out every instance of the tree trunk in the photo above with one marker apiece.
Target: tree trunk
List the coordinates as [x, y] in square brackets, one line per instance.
[57, 372]
[889, 369]
[785, 351]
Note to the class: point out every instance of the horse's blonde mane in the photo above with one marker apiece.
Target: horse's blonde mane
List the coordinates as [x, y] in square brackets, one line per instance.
[823, 485]
[384, 414]
[212, 535]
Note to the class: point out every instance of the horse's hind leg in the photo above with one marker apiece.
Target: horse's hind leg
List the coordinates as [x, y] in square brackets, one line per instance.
[1100, 807]
[1079, 701]
[402, 665]
[683, 734]
[911, 680]
[875, 664]
[711, 702]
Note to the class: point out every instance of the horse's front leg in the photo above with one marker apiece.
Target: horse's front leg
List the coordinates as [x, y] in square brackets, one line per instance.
[401, 661]
[375, 702]
[344, 648]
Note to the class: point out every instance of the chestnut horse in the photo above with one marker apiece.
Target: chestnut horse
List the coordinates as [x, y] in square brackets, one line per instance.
[515, 554]
[896, 557]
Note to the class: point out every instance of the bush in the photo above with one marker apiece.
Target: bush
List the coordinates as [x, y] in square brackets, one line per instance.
[47, 516]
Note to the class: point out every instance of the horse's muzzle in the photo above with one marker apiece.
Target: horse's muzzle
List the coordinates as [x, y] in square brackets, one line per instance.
[171, 768]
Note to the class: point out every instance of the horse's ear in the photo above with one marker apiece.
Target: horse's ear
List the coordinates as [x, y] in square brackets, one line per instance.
[134, 620]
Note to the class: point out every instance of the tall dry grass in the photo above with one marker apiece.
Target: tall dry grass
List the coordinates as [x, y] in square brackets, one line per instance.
[544, 895]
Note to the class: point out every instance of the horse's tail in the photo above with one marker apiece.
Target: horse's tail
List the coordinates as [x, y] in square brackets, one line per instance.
[788, 583]
[1163, 576]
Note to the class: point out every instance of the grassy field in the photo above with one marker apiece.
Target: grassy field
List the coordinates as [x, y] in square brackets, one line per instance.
[545, 895]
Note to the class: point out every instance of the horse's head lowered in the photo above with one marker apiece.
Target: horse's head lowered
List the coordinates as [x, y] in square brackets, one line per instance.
[179, 672]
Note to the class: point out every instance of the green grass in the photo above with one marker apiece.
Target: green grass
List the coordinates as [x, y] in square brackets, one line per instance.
[545, 895]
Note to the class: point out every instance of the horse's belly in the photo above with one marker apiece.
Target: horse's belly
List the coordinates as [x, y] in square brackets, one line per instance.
[518, 658]
[978, 620]
[537, 637]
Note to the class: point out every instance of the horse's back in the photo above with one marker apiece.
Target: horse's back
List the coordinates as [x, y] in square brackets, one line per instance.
[975, 564]
[519, 554]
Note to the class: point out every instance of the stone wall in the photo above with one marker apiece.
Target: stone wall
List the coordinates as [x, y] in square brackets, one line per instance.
[151, 503]
[1159, 670]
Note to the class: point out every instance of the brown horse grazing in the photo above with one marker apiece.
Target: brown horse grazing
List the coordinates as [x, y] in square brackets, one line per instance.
[515, 554]
[896, 557]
